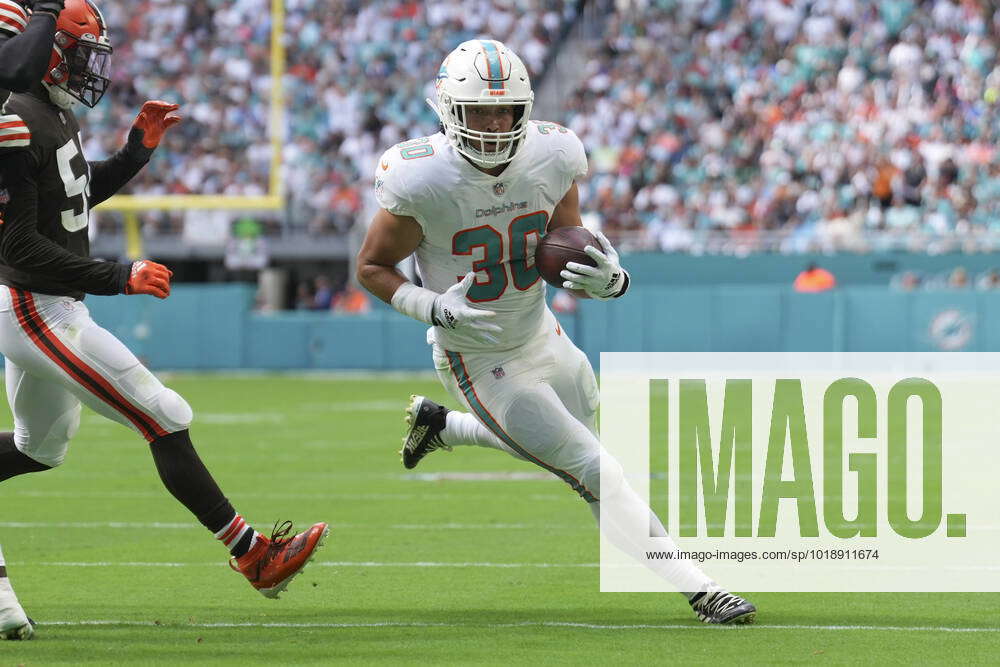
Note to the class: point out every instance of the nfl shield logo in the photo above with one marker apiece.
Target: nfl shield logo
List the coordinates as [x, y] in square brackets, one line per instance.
[498, 372]
[499, 188]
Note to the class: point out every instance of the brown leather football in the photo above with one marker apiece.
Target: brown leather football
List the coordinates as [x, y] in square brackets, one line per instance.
[562, 245]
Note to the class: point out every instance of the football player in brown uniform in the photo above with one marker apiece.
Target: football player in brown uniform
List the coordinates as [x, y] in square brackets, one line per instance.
[56, 356]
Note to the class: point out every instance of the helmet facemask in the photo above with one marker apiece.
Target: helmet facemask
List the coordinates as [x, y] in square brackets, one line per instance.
[485, 149]
[80, 67]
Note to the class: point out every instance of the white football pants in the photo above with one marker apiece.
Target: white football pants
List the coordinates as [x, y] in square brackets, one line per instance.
[539, 402]
[57, 357]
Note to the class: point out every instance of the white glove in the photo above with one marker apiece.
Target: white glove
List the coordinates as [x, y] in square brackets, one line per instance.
[604, 281]
[453, 312]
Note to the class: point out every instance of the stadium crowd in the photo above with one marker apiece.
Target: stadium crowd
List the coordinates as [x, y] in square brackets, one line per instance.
[712, 125]
[357, 76]
[795, 125]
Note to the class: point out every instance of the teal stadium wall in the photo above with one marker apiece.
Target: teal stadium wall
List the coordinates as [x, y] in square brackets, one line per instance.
[214, 327]
[850, 269]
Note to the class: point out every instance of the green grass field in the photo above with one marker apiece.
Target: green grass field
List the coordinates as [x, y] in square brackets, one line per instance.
[418, 569]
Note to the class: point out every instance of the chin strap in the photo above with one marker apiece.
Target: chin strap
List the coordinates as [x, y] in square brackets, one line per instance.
[60, 97]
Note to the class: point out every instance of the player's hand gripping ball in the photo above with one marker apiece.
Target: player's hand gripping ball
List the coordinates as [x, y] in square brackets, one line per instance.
[560, 247]
[583, 262]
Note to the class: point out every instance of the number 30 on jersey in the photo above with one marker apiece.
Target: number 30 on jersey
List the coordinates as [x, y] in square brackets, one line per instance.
[488, 244]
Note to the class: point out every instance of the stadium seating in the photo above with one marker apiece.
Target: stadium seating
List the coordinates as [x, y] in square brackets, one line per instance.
[788, 125]
[357, 76]
[723, 127]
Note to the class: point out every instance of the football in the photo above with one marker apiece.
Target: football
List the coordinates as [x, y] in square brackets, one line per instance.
[562, 245]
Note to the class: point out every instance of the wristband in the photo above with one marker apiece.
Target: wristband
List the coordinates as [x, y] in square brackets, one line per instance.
[624, 288]
[415, 302]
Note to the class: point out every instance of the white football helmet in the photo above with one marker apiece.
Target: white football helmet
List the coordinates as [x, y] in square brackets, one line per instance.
[483, 72]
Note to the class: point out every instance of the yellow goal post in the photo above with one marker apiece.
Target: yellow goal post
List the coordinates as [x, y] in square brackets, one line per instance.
[131, 205]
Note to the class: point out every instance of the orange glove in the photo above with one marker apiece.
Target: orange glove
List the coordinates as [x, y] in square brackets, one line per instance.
[154, 119]
[149, 278]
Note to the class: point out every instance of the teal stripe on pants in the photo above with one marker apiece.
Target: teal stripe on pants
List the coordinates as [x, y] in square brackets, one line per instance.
[465, 384]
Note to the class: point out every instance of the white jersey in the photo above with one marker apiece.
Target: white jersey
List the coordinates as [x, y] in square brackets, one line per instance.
[473, 221]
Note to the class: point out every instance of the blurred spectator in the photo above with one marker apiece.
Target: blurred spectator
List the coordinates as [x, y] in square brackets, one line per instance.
[959, 278]
[303, 296]
[989, 280]
[351, 300]
[906, 281]
[814, 279]
[322, 293]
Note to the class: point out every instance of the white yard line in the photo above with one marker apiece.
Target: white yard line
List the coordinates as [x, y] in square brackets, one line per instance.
[531, 624]
[98, 524]
[523, 476]
[397, 564]
[258, 495]
[424, 527]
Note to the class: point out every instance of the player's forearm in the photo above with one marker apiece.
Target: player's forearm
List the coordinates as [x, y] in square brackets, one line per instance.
[380, 280]
[22, 248]
[388, 284]
[24, 57]
[109, 176]
[39, 257]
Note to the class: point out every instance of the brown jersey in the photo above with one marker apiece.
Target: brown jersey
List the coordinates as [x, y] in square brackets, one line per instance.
[47, 188]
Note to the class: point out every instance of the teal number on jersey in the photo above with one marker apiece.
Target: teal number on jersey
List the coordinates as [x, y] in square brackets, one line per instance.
[491, 242]
[520, 229]
[545, 128]
[416, 148]
[413, 152]
[492, 256]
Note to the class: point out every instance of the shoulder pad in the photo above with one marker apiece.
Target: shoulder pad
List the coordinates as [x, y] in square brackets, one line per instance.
[14, 132]
[403, 172]
[563, 141]
[13, 18]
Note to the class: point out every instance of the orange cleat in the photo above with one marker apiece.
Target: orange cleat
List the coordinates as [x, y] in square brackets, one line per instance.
[272, 563]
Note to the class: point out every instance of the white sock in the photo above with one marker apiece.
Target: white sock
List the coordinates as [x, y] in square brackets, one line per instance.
[11, 613]
[461, 428]
[683, 574]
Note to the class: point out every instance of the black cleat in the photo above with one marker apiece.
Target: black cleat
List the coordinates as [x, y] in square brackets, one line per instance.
[426, 420]
[722, 607]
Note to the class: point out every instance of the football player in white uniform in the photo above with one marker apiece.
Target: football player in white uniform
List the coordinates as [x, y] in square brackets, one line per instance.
[472, 202]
